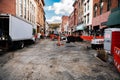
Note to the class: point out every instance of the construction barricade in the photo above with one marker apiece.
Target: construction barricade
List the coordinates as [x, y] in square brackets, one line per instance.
[117, 57]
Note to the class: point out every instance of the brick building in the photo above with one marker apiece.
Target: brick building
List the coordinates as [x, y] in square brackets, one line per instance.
[30, 10]
[20, 8]
[64, 23]
[71, 22]
[80, 17]
[73, 18]
[75, 5]
[80, 11]
[40, 19]
[8, 7]
[101, 12]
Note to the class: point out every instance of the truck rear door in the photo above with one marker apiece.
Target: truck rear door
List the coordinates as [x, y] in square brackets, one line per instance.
[107, 40]
[4, 26]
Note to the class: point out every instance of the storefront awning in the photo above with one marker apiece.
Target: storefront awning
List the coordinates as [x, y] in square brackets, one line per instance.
[80, 27]
[114, 19]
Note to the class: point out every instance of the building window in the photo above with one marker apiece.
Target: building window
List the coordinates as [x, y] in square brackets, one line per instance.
[34, 14]
[30, 11]
[79, 5]
[118, 3]
[109, 5]
[101, 6]
[25, 9]
[17, 7]
[88, 18]
[88, 5]
[82, 1]
[21, 7]
[85, 20]
[85, 7]
[95, 10]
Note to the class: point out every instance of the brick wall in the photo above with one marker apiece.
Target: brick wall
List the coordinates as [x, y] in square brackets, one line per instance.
[76, 8]
[71, 20]
[105, 14]
[64, 22]
[100, 19]
[8, 7]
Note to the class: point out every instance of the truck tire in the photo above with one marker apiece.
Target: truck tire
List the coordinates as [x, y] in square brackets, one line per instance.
[93, 46]
[21, 44]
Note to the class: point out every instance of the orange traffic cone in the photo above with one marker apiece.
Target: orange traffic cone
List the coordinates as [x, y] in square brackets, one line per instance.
[58, 43]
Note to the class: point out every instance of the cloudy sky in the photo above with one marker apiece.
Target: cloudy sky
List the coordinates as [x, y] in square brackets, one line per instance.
[54, 9]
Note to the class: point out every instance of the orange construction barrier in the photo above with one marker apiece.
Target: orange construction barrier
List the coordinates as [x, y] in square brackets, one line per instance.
[58, 43]
[89, 38]
[52, 36]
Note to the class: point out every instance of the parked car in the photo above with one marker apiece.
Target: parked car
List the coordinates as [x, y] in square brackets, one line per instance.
[64, 38]
[70, 39]
[97, 43]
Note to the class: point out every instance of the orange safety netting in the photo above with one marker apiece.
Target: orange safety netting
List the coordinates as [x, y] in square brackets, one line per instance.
[89, 38]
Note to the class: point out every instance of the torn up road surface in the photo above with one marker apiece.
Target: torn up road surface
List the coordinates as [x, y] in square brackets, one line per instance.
[47, 61]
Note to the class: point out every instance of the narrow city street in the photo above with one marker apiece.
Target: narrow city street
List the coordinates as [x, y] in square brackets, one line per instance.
[47, 61]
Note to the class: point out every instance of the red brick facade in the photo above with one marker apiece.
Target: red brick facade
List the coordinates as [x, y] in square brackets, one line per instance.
[80, 11]
[64, 22]
[74, 16]
[101, 19]
[40, 17]
[75, 5]
[71, 20]
[8, 7]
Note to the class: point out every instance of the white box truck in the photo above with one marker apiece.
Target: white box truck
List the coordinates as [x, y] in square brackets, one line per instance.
[15, 31]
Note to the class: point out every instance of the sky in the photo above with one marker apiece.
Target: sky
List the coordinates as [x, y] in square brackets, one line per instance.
[55, 9]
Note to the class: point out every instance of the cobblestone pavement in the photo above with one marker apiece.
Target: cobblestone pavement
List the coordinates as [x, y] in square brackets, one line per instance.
[47, 61]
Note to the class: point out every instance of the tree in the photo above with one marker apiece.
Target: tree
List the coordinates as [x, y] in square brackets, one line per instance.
[54, 25]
